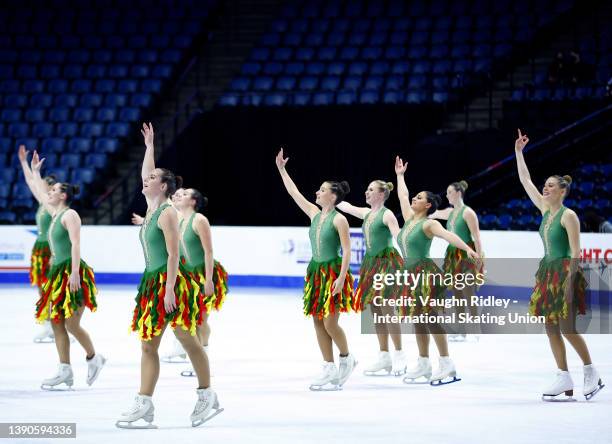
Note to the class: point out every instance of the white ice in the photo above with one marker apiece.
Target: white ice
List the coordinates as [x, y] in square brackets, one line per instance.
[264, 355]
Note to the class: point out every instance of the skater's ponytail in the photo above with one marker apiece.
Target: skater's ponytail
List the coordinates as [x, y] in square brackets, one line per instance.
[70, 190]
[200, 200]
[565, 183]
[460, 187]
[434, 200]
[340, 189]
[172, 182]
[384, 187]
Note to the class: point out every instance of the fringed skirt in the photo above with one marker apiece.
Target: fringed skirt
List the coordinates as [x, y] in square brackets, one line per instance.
[457, 261]
[429, 288]
[150, 314]
[216, 299]
[318, 299]
[388, 261]
[39, 263]
[56, 293]
[548, 297]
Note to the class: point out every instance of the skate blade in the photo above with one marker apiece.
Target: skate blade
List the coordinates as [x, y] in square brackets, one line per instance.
[199, 422]
[589, 396]
[174, 359]
[443, 382]
[553, 398]
[399, 372]
[122, 424]
[378, 373]
[416, 381]
[325, 388]
[53, 388]
[188, 373]
[47, 340]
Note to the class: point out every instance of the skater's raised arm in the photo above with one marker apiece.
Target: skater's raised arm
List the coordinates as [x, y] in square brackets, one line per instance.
[342, 226]
[307, 207]
[72, 222]
[402, 189]
[523, 172]
[27, 173]
[148, 164]
[202, 227]
[436, 229]
[39, 183]
[168, 223]
[348, 208]
[471, 220]
[443, 214]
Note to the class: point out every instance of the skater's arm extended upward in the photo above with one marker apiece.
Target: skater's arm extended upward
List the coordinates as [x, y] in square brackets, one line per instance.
[148, 164]
[523, 171]
[307, 207]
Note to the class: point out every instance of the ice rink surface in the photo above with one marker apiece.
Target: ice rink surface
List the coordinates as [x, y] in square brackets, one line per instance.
[264, 355]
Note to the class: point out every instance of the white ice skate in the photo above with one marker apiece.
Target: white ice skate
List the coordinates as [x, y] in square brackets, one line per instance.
[206, 408]
[141, 409]
[420, 374]
[382, 367]
[446, 373]
[94, 366]
[176, 355]
[399, 363]
[44, 335]
[592, 382]
[64, 376]
[346, 367]
[563, 384]
[327, 380]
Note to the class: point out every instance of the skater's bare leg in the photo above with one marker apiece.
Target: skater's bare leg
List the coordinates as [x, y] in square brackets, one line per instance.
[556, 344]
[62, 341]
[336, 333]
[324, 340]
[149, 364]
[73, 325]
[204, 331]
[196, 354]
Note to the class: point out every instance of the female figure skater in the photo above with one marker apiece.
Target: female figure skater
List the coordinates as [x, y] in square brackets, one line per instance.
[414, 240]
[328, 287]
[463, 221]
[71, 284]
[41, 254]
[560, 285]
[166, 295]
[380, 258]
[197, 256]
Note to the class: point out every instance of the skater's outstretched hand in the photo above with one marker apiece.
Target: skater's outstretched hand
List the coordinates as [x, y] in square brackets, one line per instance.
[137, 219]
[400, 166]
[148, 134]
[521, 141]
[280, 161]
[74, 282]
[37, 162]
[169, 300]
[337, 286]
[23, 154]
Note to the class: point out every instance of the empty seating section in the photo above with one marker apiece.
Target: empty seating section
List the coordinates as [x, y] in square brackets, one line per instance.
[346, 52]
[592, 190]
[75, 77]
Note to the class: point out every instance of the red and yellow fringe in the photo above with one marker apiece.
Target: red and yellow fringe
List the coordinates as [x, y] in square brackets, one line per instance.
[39, 263]
[216, 299]
[386, 261]
[150, 314]
[56, 292]
[548, 297]
[457, 261]
[426, 288]
[318, 299]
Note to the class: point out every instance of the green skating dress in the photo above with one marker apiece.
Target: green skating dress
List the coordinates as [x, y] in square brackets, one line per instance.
[457, 260]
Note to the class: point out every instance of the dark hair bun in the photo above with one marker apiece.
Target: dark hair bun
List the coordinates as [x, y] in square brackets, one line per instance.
[75, 189]
[344, 185]
[179, 182]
